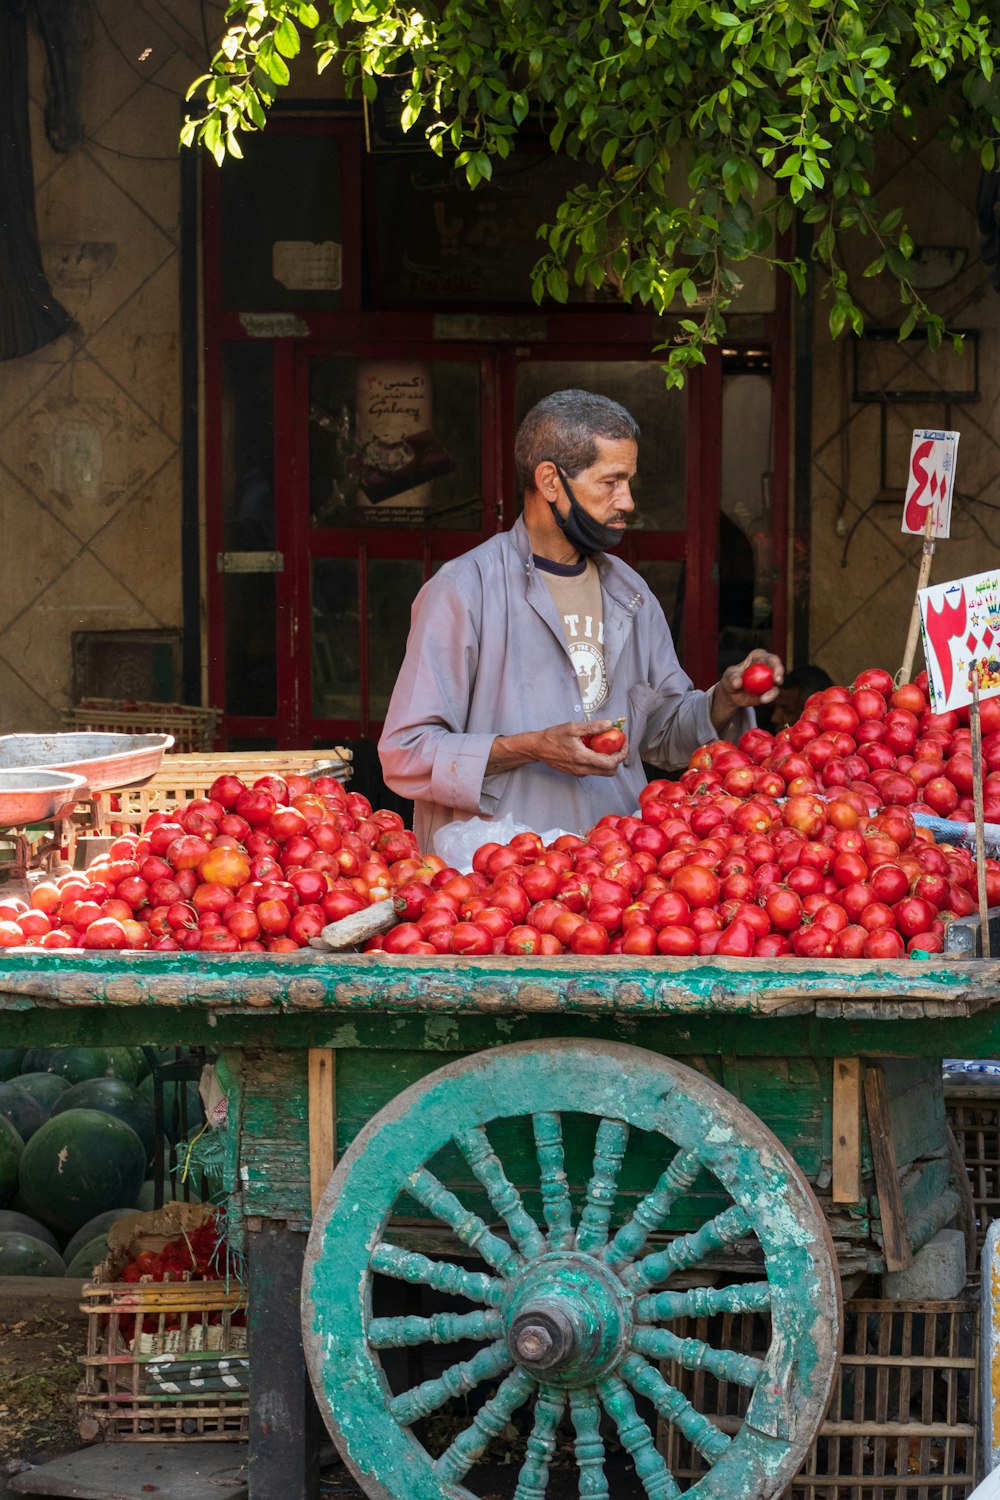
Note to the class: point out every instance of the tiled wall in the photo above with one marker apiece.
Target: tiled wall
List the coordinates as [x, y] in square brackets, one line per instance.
[863, 570]
[90, 425]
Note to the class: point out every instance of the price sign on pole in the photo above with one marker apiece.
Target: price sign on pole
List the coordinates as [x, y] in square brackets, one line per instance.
[931, 482]
[960, 622]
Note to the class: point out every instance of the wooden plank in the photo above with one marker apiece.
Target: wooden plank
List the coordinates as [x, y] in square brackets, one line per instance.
[322, 1120]
[898, 1252]
[847, 1074]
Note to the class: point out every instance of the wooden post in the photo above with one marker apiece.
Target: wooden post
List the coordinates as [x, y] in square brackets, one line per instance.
[977, 799]
[922, 579]
[322, 1120]
[895, 1236]
[846, 1130]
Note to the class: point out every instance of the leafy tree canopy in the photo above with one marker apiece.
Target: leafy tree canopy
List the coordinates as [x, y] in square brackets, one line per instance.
[713, 122]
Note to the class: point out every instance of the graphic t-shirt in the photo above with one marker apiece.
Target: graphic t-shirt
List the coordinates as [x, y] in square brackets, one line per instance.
[576, 590]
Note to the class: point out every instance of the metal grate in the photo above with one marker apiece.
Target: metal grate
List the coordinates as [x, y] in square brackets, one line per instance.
[902, 1422]
[974, 1116]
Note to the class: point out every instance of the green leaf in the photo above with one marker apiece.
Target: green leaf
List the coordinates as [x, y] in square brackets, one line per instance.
[286, 38]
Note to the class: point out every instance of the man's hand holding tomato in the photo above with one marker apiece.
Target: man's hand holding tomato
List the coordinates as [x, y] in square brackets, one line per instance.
[743, 686]
[561, 746]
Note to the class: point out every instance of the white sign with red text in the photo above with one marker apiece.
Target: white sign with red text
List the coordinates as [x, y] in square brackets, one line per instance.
[931, 483]
[960, 622]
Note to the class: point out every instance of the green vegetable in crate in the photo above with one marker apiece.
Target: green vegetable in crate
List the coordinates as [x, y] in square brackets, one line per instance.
[93, 1229]
[78, 1164]
[22, 1110]
[44, 1088]
[13, 1222]
[11, 1151]
[115, 1097]
[24, 1255]
[10, 1061]
[87, 1257]
[77, 1063]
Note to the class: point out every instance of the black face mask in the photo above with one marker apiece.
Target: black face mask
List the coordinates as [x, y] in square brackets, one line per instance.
[580, 529]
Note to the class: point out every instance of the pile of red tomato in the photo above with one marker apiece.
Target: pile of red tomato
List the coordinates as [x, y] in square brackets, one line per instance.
[880, 741]
[252, 869]
[799, 844]
[198, 1255]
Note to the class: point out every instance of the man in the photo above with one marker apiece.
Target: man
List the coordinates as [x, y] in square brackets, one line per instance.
[799, 684]
[539, 638]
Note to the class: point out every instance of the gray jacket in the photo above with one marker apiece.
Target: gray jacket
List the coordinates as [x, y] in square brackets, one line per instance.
[486, 655]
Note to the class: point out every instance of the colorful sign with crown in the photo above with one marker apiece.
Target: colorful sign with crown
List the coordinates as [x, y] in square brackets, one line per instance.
[931, 483]
[960, 623]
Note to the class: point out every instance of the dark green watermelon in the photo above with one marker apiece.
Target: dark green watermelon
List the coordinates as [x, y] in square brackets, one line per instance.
[95, 1227]
[44, 1088]
[115, 1097]
[11, 1059]
[87, 1257]
[76, 1063]
[24, 1255]
[11, 1151]
[79, 1164]
[145, 1198]
[21, 1109]
[13, 1222]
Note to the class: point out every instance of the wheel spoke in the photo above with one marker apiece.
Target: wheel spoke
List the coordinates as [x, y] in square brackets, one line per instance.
[556, 1204]
[704, 1302]
[488, 1423]
[589, 1446]
[609, 1151]
[688, 1249]
[694, 1354]
[440, 1201]
[650, 1465]
[439, 1275]
[475, 1146]
[458, 1380]
[533, 1480]
[440, 1328]
[650, 1213]
[675, 1407]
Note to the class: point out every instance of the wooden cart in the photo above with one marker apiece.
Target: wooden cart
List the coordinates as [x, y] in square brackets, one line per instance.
[544, 1167]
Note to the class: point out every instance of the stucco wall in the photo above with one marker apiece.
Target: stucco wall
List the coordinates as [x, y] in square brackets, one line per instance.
[863, 569]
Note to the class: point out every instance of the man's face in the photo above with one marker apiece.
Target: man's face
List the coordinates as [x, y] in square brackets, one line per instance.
[603, 490]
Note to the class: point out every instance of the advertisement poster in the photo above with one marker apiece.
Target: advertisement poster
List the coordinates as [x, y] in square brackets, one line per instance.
[397, 452]
[931, 483]
[960, 623]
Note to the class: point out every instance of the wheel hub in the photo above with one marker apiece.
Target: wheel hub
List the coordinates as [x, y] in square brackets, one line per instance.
[567, 1319]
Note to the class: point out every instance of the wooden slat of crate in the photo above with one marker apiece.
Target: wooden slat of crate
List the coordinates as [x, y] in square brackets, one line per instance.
[182, 777]
[974, 1116]
[903, 1417]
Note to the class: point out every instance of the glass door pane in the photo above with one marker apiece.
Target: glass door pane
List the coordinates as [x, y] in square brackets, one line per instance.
[395, 443]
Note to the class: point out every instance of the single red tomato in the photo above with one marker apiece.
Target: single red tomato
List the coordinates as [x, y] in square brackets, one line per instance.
[757, 678]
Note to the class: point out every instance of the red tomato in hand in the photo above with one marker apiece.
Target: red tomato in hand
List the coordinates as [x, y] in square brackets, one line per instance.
[757, 678]
[607, 741]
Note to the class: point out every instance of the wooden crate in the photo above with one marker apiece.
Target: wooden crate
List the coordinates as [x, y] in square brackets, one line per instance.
[193, 728]
[974, 1116]
[903, 1417]
[133, 1329]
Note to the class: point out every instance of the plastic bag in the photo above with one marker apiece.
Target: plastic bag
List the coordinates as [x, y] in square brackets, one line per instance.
[456, 843]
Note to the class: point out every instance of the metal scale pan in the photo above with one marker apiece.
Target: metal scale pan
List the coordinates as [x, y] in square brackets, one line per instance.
[103, 760]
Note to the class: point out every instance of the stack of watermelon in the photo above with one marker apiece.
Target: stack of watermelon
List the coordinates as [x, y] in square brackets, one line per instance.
[76, 1147]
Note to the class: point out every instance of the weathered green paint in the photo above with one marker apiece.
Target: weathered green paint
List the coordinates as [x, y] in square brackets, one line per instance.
[579, 1289]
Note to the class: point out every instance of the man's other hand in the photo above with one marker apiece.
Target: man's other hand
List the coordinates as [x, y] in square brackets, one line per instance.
[730, 695]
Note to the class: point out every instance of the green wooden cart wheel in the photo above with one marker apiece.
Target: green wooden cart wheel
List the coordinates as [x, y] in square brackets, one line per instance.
[568, 1320]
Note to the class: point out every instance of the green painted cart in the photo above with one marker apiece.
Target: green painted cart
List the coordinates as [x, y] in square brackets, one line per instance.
[546, 1173]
